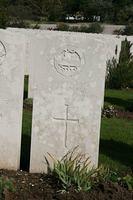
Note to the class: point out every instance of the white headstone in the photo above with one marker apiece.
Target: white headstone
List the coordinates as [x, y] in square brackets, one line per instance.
[111, 40]
[12, 52]
[69, 88]
[28, 69]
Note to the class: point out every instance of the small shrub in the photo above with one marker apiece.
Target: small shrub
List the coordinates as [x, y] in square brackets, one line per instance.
[36, 26]
[109, 111]
[17, 23]
[62, 27]
[112, 77]
[118, 32]
[84, 29]
[3, 19]
[74, 29]
[95, 28]
[128, 30]
[128, 181]
[5, 184]
[120, 72]
[105, 174]
[74, 170]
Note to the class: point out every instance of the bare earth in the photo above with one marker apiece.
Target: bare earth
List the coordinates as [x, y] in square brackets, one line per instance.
[41, 187]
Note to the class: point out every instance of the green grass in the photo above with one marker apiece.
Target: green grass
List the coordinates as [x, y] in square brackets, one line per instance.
[26, 81]
[116, 145]
[26, 140]
[122, 99]
[26, 128]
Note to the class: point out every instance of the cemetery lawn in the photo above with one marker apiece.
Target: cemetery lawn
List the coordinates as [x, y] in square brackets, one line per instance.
[120, 99]
[116, 144]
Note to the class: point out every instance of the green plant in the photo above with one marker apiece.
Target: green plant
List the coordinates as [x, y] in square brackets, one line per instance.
[84, 29]
[120, 72]
[128, 30]
[74, 28]
[36, 26]
[109, 111]
[95, 28]
[74, 170]
[3, 19]
[5, 184]
[118, 32]
[112, 80]
[18, 23]
[62, 27]
[105, 174]
[128, 181]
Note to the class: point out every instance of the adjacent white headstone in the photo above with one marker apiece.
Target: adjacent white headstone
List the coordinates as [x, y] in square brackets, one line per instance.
[12, 53]
[28, 68]
[69, 88]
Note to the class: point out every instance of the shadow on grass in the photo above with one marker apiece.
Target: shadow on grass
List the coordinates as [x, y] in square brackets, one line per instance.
[25, 152]
[26, 128]
[119, 151]
[25, 95]
[127, 104]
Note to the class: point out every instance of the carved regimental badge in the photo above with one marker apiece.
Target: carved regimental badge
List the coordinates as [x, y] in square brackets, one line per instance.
[2, 52]
[68, 62]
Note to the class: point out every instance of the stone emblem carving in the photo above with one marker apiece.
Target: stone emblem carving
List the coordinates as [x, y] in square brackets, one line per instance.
[68, 62]
[2, 52]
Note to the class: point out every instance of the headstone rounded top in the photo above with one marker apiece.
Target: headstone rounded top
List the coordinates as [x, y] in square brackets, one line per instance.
[68, 62]
[2, 52]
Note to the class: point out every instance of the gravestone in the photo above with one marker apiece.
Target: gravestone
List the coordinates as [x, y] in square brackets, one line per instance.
[28, 69]
[12, 53]
[26, 33]
[111, 40]
[68, 93]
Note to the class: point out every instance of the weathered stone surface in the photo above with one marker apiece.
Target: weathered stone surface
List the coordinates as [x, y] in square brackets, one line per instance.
[67, 72]
[69, 88]
[12, 53]
[28, 69]
[110, 40]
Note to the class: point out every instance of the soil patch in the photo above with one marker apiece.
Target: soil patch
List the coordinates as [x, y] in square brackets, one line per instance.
[43, 187]
[125, 114]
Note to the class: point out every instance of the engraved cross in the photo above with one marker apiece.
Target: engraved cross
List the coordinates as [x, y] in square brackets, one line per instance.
[66, 120]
